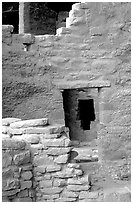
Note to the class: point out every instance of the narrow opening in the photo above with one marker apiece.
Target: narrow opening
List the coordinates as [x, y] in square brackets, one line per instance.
[86, 113]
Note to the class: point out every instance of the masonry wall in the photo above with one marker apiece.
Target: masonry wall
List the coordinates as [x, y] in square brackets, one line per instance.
[95, 45]
[37, 165]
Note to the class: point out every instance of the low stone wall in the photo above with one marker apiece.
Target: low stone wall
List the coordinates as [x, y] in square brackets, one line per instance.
[36, 164]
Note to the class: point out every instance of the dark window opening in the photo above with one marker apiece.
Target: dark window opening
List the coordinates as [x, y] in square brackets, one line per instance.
[86, 113]
[10, 15]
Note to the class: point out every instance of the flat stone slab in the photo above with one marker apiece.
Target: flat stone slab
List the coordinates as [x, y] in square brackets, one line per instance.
[30, 123]
[81, 84]
[86, 154]
[8, 121]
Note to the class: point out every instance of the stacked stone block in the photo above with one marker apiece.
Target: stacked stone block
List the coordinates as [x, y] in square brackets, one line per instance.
[16, 171]
[37, 165]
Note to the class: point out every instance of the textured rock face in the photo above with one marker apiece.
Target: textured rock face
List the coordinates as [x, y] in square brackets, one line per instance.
[94, 47]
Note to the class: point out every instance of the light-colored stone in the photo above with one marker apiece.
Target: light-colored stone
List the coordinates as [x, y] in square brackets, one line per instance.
[22, 158]
[69, 194]
[29, 138]
[79, 181]
[88, 195]
[54, 142]
[8, 121]
[47, 197]
[42, 159]
[8, 143]
[41, 169]
[27, 199]
[25, 184]
[27, 175]
[53, 168]
[59, 182]
[65, 199]
[51, 191]
[58, 151]
[30, 123]
[78, 187]
[62, 159]
[5, 129]
[45, 183]
[10, 184]
[73, 165]
[68, 173]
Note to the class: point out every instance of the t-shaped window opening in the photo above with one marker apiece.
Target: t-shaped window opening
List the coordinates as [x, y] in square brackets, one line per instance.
[86, 113]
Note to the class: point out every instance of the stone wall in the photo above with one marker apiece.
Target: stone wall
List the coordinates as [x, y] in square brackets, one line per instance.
[94, 47]
[36, 164]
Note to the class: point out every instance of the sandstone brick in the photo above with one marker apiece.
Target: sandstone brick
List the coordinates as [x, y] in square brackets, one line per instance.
[29, 138]
[41, 169]
[8, 121]
[73, 165]
[50, 136]
[62, 159]
[5, 129]
[22, 200]
[54, 142]
[23, 193]
[30, 123]
[26, 167]
[10, 193]
[27, 175]
[39, 160]
[47, 197]
[11, 184]
[45, 183]
[65, 199]
[68, 173]
[22, 158]
[58, 151]
[59, 182]
[9, 143]
[6, 160]
[51, 191]
[69, 194]
[7, 173]
[19, 131]
[78, 187]
[53, 168]
[79, 181]
[88, 195]
[25, 184]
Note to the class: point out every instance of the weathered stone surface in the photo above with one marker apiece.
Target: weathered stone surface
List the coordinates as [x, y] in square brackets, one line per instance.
[7, 173]
[53, 168]
[25, 184]
[30, 123]
[51, 129]
[88, 195]
[58, 151]
[42, 159]
[54, 142]
[51, 191]
[78, 187]
[26, 167]
[66, 199]
[23, 193]
[73, 165]
[48, 197]
[11, 184]
[41, 169]
[50, 136]
[29, 138]
[9, 143]
[45, 183]
[22, 200]
[6, 160]
[62, 159]
[22, 158]
[79, 181]
[8, 121]
[10, 193]
[68, 173]
[28, 38]
[5, 129]
[69, 194]
[27, 175]
[5, 136]
[19, 131]
[59, 182]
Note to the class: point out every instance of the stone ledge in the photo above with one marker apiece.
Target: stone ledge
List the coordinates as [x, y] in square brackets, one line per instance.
[81, 84]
